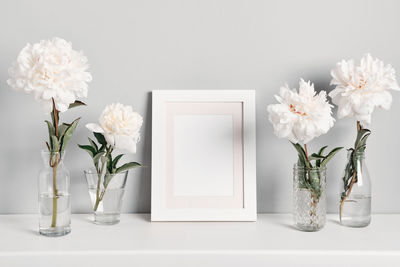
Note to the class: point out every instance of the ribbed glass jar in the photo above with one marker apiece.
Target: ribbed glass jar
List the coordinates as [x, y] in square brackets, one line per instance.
[309, 204]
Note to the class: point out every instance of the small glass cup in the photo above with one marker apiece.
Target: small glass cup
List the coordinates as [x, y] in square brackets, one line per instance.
[106, 201]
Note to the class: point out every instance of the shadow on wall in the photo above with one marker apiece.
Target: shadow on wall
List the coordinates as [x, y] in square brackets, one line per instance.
[143, 190]
[266, 193]
[272, 175]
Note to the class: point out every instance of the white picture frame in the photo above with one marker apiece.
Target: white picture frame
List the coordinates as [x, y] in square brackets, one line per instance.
[203, 155]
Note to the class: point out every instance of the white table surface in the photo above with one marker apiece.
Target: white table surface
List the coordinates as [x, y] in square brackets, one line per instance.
[135, 241]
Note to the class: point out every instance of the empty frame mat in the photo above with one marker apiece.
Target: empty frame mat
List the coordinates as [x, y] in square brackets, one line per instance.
[199, 156]
[204, 155]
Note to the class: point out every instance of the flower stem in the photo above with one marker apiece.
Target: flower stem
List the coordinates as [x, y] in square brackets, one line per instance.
[313, 211]
[55, 115]
[99, 199]
[308, 162]
[98, 187]
[96, 205]
[55, 194]
[54, 165]
[308, 159]
[353, 181]
[314, 202]
[99, 196]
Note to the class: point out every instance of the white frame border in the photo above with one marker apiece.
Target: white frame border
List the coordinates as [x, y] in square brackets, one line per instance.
[161, 213]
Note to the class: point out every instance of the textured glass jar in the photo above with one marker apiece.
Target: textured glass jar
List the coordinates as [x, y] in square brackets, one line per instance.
[54, 196]
[309, 209]
[355, 205]
[106, 202]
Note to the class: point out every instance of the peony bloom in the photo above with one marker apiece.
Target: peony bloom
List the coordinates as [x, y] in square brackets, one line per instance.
[120, 127]
[51, 69]
[361, 88]
[301, 116]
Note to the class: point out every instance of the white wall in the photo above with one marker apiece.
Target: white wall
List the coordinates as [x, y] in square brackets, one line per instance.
[137, 46]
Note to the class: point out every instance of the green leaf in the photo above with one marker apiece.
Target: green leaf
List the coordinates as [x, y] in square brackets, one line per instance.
[109, 164]
[94, 145]
[317, 159]
[88, 149]
[51, 129]
[330, 156]
[102, 148]
[300, 163]
[301, 153]
[128, 166]
[362, 143]
[348, 171]
[322, 150]
[315, 183]
[97, 157]
[104, 159]
[115, 161]
[360, 134]
[315, 156]
[54, 143]
[77, 103]
[62, 128]
[68, 134]
[100, 138]
[107, 179]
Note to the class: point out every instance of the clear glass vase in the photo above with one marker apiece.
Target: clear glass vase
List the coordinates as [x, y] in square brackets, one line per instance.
[106, 201]
[54, 196]
[355, 204]
[309, 202]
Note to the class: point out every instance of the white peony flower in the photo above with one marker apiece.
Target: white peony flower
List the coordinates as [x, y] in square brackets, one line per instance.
[120, 126]
[51, 69]
[361, 88]
[301, 116]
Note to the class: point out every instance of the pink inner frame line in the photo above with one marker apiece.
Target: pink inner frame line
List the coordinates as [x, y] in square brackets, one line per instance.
[235, 109]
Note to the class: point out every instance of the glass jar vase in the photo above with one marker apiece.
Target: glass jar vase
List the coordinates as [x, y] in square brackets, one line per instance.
[54, 196]
[106, 197]
[309, 198]
[355, 204]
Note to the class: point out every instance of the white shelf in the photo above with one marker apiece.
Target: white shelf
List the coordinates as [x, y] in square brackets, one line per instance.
[135, 241]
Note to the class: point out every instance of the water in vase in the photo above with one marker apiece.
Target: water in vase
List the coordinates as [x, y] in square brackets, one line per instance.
[357, 211]
[109, 209]
[46, 213]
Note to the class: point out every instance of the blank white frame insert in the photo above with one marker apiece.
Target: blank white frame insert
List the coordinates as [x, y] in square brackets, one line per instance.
[213, 149]
[203, 155]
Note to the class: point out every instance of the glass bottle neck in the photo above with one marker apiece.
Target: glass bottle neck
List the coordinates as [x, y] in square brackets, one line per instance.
[359, 155]
[52, 159]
